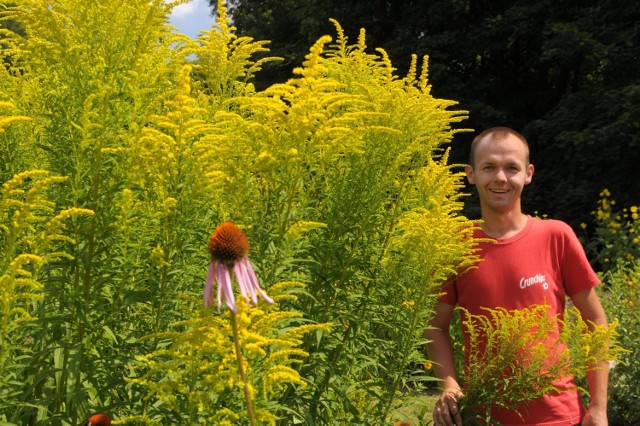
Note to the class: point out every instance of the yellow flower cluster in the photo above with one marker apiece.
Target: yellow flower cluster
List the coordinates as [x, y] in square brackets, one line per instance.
[32, 234]
[339, 174]
[6, 120]
[618, 229]
[629, 293]
[433, 239]
[513, 360]
[224, 60]
[198, 366]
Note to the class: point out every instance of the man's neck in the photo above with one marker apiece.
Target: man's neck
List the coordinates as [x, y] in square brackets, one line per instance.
[503, 225]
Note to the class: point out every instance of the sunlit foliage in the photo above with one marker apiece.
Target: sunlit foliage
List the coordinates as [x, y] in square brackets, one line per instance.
[126, 143]
[515, 356]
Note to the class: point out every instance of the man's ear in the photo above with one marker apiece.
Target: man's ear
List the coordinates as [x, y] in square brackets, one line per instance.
[468, 169]
[530, 170]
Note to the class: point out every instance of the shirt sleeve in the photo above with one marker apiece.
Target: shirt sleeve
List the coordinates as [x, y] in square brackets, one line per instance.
[448, 293]
[577, 273]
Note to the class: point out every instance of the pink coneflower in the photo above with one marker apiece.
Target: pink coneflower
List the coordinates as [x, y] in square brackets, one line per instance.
[229, 246]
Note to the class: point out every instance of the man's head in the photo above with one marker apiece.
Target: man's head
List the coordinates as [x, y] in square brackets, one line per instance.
[499, 169]
[495, 133]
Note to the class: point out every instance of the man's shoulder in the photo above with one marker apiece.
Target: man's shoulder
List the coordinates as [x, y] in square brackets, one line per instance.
[554, 226]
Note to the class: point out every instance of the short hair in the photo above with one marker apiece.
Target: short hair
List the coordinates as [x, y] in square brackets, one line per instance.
[496, 133]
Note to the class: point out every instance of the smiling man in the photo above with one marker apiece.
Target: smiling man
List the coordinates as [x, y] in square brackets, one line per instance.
[500, 168]
[529, 262]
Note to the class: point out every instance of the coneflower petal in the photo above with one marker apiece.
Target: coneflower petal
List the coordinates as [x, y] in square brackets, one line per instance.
[216, 265]
[253, 279]
[208, 287]
[225, 289]
[264, 295]
[243, 282]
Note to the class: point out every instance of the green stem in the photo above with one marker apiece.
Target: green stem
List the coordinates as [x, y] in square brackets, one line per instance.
[406, 345]
[243, 377]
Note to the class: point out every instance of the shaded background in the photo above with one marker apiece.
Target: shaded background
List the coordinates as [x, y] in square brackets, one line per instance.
[564, 73]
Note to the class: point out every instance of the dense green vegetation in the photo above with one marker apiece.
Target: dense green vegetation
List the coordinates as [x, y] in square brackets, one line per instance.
[124, 144]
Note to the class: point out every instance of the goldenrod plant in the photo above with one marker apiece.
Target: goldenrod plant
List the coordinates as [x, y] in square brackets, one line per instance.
[15, 156]
[197, 376]
[339, 177]
[225, 66]
[32, 234]
[621, 299]
[617, 231]
[511, 359]
[617, 245]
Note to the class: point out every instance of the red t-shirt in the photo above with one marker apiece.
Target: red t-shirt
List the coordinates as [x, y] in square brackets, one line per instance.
[542, 264]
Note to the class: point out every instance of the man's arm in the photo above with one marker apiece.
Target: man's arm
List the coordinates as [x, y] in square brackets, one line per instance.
[591, 310]
[440, 351]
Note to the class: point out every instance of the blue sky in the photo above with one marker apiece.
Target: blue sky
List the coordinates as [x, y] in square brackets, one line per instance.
[192, 17]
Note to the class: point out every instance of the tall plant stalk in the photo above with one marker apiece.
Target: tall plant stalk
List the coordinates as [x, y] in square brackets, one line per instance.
[241, 371]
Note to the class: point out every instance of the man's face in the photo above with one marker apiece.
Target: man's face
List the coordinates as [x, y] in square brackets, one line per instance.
[500, 172]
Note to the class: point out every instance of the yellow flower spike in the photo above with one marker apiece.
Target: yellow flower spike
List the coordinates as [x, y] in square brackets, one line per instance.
[158, 257]
[170, 204]
[408, 304]
[386, 61]
[265, 161]
[300, 228]
[288, 355]
[292, 154]
[423, 82]
[341, 39]
[311, 63]
[6, 120]
[184, 79]
[412, 72]
[362, 38]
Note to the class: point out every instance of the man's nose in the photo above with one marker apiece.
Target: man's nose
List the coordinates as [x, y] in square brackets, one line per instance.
[500, 175]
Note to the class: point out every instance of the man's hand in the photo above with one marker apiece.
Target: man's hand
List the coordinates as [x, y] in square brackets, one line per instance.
[447, 411]
[595, 417]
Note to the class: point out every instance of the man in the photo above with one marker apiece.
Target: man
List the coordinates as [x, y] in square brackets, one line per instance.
[524, 248]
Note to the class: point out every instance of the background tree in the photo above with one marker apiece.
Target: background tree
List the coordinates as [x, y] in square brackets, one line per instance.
[562, 72]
